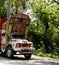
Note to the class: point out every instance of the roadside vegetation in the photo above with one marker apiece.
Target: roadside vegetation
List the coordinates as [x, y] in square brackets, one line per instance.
[44, 29]
[40, 52]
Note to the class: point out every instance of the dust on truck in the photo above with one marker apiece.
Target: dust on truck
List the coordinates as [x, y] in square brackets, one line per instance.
[13, 37]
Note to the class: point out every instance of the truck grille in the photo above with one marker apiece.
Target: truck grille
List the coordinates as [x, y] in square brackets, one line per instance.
[25, 45]
[25, 50]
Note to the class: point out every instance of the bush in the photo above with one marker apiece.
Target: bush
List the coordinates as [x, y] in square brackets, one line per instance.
[3, 12]
[39, 52]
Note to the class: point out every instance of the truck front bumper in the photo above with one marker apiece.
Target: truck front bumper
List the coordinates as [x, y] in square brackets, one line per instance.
[24, 50]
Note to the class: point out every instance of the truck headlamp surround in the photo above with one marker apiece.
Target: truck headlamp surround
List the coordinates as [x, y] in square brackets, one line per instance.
[18, 45]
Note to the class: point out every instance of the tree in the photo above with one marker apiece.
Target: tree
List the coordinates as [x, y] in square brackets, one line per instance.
[15, 4]
[48, 16]
[3, 12]
[18, 4]
[2, 2]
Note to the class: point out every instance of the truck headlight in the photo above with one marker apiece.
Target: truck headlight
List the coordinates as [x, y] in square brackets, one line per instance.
[31, 45]
[18, 45]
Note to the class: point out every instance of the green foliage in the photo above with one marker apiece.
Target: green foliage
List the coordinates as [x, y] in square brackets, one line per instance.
[16, 4]
[40, 52]
[45, 25]
[2, 2]
[36, 28]
[3, 12]
[3, 9]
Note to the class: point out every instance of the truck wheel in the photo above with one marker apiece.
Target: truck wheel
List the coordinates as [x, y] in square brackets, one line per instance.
[27, 56]
[2, 53]
[9, 52]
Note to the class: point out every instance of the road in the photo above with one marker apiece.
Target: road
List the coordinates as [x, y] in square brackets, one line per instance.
[35, 60]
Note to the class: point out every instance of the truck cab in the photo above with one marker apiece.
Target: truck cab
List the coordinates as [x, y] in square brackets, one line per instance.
[14, 37]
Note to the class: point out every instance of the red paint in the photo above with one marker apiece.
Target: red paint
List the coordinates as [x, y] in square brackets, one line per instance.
[19, 51]
[2, 20]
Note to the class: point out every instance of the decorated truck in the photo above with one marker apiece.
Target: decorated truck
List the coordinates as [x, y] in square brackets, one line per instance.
[13, 36]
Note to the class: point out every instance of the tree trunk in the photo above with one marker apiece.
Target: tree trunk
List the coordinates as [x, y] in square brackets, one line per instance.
[16, 9]
[45, 38]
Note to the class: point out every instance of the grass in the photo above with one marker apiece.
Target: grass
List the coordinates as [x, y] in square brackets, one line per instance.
[40, 52]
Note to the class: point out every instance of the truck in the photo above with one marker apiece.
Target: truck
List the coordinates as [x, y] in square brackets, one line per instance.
[13, 37]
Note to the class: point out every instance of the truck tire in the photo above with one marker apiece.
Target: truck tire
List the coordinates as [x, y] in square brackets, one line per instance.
[27, 56]
[2, 53]
[9, 52]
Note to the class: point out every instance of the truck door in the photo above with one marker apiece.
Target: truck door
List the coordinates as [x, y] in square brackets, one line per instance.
[0, 38]
[3, 40]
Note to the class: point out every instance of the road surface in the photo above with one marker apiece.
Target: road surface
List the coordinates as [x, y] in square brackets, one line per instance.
[35, 60]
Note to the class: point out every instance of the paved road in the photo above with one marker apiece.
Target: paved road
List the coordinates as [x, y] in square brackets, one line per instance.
[19, 60]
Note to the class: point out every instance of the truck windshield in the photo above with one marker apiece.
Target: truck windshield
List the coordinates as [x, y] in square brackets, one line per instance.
[17, 36]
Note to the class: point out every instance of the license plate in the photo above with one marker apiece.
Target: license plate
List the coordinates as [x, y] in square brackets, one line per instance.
[25, 50]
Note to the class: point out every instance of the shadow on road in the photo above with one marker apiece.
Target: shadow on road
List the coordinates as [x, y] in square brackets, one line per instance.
[14, 57]
[33, 61]
[47, 62]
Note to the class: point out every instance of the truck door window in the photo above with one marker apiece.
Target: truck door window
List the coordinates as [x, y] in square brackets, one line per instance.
[3, 34]
[17, 36]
